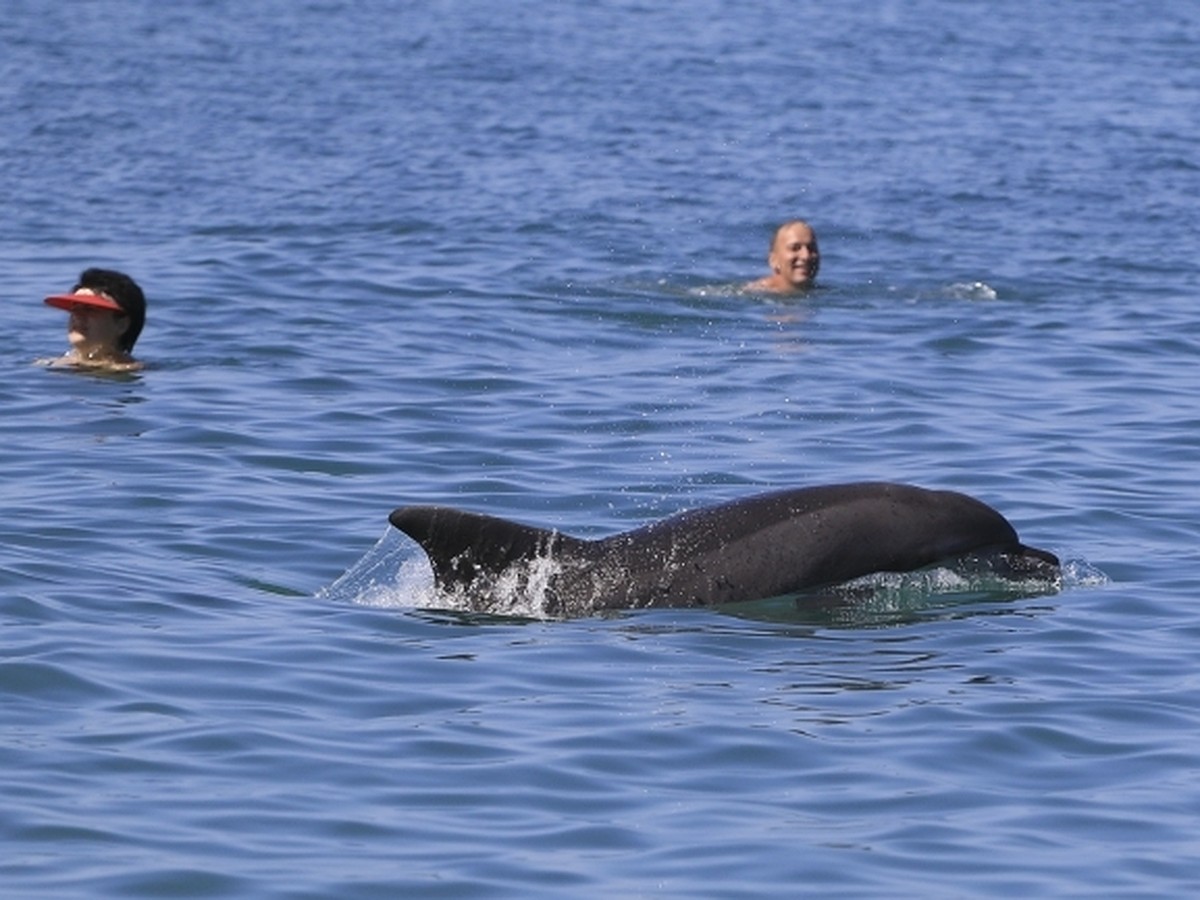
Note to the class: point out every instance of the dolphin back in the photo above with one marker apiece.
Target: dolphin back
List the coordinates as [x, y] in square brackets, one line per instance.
[795, 540]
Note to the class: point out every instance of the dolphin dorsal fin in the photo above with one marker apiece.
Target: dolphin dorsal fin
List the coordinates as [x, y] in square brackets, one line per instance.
[465, 547]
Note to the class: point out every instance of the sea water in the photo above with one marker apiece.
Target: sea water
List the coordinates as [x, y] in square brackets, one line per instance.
[488, 255]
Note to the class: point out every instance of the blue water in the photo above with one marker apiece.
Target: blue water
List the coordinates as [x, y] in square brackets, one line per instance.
[486, 255]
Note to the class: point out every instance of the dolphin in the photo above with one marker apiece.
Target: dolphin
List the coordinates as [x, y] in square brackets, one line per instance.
[768, 545]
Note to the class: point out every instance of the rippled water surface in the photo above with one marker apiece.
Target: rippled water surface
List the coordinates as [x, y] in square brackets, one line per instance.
[488, 256]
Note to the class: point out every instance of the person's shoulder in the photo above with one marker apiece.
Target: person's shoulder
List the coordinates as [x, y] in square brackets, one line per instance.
[130, 365]
[114, 365]
[71, 360]
[766, 285]
[55, 362]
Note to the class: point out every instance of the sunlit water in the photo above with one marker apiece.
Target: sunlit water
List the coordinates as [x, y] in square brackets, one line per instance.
[487, 256]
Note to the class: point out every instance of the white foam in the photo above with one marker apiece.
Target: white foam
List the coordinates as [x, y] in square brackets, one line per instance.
[520, 590]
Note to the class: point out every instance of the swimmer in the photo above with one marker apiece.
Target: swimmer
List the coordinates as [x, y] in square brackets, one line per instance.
[794, 260]
[108, 310]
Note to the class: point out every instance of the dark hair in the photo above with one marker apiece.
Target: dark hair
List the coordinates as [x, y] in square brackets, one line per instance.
[127, 295]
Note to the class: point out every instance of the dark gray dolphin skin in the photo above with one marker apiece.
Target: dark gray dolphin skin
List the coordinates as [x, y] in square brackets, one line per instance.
[763, 546]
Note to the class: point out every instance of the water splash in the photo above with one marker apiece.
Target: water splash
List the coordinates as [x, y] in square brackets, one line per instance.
[393, 573]
[520, 591]
[970, 290]
[1081, 573]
